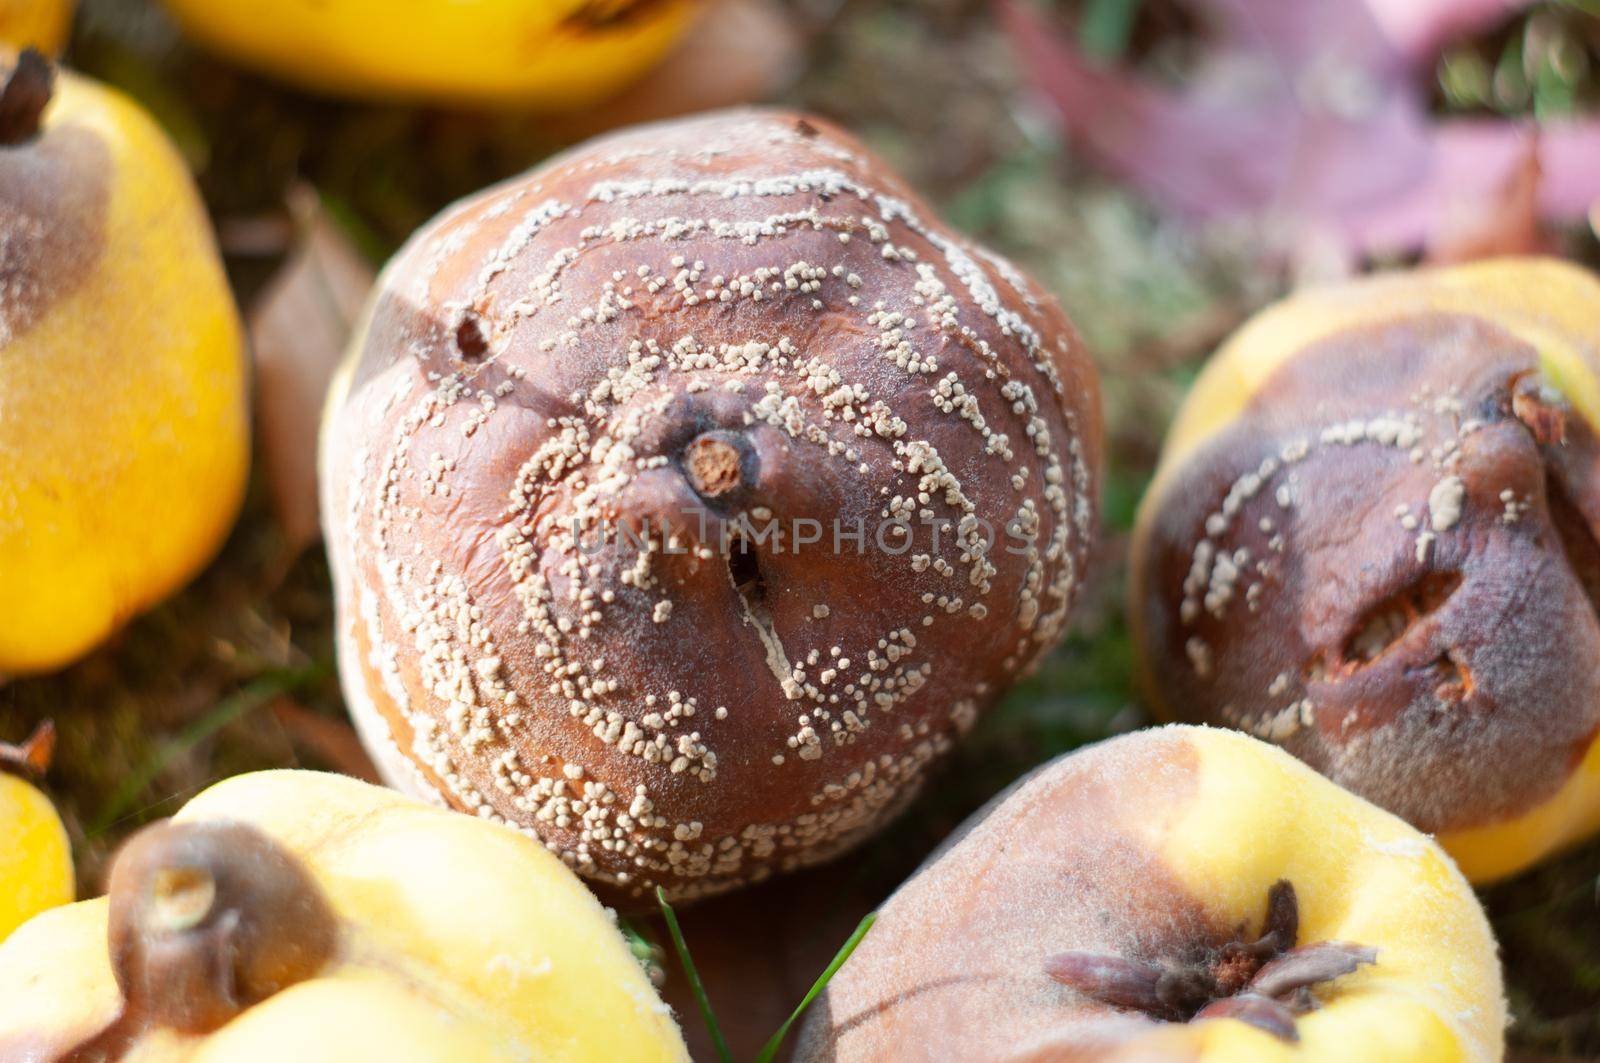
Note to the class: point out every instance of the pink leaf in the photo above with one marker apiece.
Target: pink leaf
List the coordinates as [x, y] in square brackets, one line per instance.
[1305, 113]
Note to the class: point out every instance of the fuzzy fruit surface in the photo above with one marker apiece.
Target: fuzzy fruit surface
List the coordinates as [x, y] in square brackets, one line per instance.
[1154, 851]
[554, 54]
[1372, 540]
[124, 433]
[451, 939]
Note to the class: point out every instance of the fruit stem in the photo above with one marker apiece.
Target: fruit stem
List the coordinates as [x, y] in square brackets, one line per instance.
[27, 92]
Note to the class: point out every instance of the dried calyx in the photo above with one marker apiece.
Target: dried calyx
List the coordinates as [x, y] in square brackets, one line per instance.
[207, 920]
[26, 94]
[713, 461]
[1265, 982]
[32, 757]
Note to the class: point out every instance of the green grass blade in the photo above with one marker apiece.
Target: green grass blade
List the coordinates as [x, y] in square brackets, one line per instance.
[770, 1050]
[694, 978]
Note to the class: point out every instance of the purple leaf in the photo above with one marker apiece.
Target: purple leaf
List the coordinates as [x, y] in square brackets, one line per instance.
[1306, 113]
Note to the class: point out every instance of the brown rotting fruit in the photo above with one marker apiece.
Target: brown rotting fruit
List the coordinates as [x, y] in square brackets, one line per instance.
[754, 487]
[1372, 540]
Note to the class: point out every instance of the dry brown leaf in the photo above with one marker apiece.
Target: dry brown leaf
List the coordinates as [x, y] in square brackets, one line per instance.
[298, 329]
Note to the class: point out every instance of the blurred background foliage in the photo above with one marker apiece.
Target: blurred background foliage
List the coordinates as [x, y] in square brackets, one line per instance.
[237, 672]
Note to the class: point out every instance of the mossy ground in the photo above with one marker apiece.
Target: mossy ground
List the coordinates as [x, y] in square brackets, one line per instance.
[237, 672]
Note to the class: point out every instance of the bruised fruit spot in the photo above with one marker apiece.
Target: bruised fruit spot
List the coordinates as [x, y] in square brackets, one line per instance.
[713, 465]
[26, 94]
[54, 194]
[1266, 982]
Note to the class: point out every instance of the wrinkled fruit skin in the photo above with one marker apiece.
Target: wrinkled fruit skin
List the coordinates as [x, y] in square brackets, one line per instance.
[742, 315]
[36, 858]
[42, 24]
[124, 443]
[1372, 541]
[555, 54]
[456, 939]
[1148, 847]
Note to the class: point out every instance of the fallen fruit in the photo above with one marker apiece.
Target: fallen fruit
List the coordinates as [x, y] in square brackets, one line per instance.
[1175, 894]
[554, 54]
[1372, 541]
[294, 915]
[36, 858]
[41, 24]
[670, 494]
[123, 447]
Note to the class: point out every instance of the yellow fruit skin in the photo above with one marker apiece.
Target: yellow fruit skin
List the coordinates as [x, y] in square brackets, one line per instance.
[41, 24]
[1362, 876]
[1551, 305]
[460, 939]
[35, 857]
[532, 52]
[124, 427]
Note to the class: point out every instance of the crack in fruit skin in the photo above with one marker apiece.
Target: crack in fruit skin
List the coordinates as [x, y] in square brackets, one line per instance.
[723, 330]
[1265, 982]
[1368, 563]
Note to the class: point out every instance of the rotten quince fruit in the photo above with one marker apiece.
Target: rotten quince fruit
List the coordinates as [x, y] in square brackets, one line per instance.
[295, 915]
[124, 438]
[1372, 541]
[1178, 894]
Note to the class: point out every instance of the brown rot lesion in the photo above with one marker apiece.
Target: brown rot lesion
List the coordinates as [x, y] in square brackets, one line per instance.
[1266, 981]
